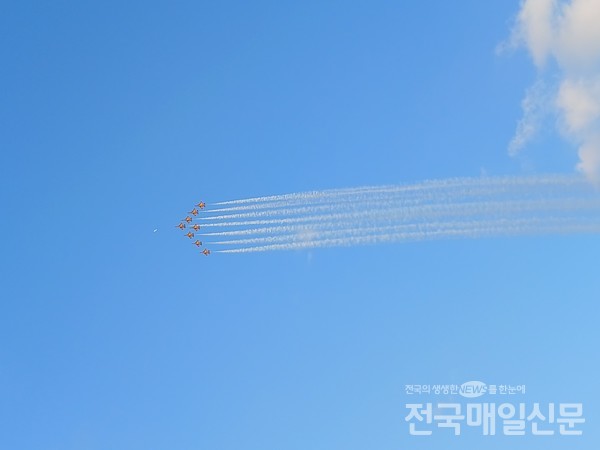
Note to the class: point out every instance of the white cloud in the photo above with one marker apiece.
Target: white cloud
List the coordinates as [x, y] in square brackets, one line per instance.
[534, 105]
[569, 33]
[589, 158]
[534, 28]
[579, 103]
[578, 44]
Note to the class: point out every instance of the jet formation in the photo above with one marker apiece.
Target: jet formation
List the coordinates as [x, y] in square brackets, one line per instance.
[188, 220]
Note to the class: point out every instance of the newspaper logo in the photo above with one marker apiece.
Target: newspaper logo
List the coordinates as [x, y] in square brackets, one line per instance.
[473, 389]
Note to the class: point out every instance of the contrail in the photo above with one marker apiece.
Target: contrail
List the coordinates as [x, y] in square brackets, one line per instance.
[436, 209]
[393, 213]
[429, 185]
[478, 212]
[474, 230]
[401, 196]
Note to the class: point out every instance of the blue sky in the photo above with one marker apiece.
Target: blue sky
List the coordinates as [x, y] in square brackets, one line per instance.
[117, 118]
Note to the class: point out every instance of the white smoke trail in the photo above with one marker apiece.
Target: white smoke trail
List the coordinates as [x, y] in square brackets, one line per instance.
[417, 188]
[390, 196]
[317, 231]
[500, 228]
[489, 209]
[397, 214]
[458, 207]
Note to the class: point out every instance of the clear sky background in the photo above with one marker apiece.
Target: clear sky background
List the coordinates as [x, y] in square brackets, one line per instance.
[116, 117]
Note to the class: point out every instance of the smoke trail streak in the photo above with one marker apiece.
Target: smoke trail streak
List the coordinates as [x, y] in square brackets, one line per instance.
[386, 209]
[346, 233]
[406, 213]
[458, 207]
[352, 233]
[390, 198]
[429, 185]
[499, 229]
